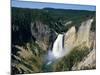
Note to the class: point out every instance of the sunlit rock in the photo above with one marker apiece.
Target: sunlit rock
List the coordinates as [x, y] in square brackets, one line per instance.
[89, 62]
[83, 33]
[69, 39]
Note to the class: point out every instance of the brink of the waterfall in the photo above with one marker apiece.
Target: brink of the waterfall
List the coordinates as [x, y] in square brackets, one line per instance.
[65, 43]
[52, 40]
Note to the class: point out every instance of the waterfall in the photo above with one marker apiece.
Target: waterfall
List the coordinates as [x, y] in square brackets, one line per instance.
[58, 49]
[64, 44]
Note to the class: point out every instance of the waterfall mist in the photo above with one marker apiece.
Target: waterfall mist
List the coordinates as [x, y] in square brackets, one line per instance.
[58, 50]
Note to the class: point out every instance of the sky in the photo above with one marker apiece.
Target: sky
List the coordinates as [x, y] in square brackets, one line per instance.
[40, 5]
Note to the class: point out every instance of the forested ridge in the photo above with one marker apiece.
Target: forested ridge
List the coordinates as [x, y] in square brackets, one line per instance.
[35, 30]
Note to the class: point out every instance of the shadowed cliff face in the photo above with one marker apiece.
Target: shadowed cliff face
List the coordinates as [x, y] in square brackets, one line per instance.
[43, 35]
[50, 49]
[73, 39]
[65, 39]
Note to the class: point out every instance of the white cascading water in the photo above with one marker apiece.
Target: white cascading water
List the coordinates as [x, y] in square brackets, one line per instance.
[58, 47]
[58, 50]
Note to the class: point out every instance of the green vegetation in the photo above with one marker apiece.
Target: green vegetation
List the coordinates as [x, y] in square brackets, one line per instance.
[75, 56]
[54, 18]
[27, 56]
[32, 60]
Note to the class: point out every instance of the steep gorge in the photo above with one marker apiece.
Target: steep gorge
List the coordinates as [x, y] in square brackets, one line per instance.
[68, 40]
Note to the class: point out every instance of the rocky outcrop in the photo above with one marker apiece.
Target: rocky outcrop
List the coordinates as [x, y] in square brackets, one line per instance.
[42, 34]
[60, 46]
[83, 33]
[81, 39]
[64, 43]
[82, 42]
[84, 37]
[89, 62]
[69, 39]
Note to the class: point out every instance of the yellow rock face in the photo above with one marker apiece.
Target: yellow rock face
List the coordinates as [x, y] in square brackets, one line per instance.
[82, 37]
[83, 33]
[70, 38]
